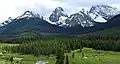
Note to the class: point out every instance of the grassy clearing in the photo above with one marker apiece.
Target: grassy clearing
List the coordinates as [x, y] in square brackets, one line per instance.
[90, 57]
[94, 57]
[27, 59]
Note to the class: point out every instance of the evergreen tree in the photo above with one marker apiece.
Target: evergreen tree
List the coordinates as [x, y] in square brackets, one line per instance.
[67, 59]
[11, 59]
[60, 57]
[73, 55]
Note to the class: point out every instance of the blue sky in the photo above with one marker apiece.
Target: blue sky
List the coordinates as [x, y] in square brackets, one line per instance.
[14, 8]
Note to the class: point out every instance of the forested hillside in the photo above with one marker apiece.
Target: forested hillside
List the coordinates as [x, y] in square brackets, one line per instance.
[49, 45]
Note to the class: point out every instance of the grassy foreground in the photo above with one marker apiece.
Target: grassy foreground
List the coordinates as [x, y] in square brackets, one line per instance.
[27, 59]
[90, 57]
[94, 57]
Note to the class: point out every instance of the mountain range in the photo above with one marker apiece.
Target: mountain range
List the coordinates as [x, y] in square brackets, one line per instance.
[99, 17]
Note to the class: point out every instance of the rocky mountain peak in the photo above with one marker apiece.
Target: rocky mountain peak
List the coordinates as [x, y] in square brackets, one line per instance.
[29, 14]
[59, 9]
[79, 18]
[9, 19]
[56, 14]
[106, 11]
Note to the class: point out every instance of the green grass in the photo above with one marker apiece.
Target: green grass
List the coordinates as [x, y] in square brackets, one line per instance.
[92, 57]
[28, 59]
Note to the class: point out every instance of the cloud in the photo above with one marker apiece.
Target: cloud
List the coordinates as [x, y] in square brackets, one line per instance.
[14, 8]
[90, 2]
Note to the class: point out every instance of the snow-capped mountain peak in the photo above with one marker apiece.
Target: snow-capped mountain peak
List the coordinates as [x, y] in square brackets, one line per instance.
[84, 11]
[107, 12]
[29, 14]
[84, 18]
[80, 18]
[57, 13]
[60, 18]
[59, 9]
[26, 14]
[6, 22]
[9, 19]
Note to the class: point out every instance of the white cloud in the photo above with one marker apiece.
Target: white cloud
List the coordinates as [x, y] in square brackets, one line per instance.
[14, 8]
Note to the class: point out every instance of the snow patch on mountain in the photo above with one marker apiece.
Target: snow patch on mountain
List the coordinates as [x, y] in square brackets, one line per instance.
[57, 13]
[62, 22]
[29, 14]
[10, 19]
[97, 18]
[107, 12]
[84, 18]
[6, 22]
[87, 23]
[80, 18]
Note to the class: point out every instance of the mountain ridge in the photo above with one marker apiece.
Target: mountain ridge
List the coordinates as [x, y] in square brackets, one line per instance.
[98, 13]
[81, 22]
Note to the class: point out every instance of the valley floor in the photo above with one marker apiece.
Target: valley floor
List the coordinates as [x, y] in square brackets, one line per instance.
[90, 57]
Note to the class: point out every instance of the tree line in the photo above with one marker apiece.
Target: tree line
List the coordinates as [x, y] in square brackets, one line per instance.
[47, 45]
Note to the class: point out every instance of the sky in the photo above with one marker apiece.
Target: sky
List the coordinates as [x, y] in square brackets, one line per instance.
[14, 8]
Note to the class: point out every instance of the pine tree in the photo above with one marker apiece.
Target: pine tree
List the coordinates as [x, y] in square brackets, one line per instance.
[11, 59]
[73, 55]
[60, 57]
[67, 59]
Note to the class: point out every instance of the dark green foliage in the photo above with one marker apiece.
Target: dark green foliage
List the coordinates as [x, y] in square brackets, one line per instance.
[46, 45]
[82, 54]
[67, 59]
[81, 48]
[73, 54]
[11, 59]
[60, 56]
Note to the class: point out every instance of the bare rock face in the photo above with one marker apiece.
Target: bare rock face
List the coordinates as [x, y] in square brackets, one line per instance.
[107, 12]
[57, 13]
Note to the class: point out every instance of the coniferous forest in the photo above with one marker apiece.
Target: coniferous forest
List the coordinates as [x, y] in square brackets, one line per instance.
[59, 45]
[46, 45]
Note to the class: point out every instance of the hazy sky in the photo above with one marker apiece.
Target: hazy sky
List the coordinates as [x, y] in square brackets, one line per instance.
[14, 8]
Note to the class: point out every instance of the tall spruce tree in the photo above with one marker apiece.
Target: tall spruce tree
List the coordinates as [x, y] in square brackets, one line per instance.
[67, 60]
[60, 56]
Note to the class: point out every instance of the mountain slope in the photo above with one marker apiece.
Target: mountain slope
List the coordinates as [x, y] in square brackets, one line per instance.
[84, 18]
[80, 18]
[107, 12]
[106, 32]
[113, 22]
[41, 27]
[35, 25]
[99, 17]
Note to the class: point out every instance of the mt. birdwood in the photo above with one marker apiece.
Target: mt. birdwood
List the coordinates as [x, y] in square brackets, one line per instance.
[99, 17]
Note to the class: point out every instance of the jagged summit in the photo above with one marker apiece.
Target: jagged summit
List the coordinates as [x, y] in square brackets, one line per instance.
[9, 19]
[80, 18]
[107, 12]
[99, 17]
[84, 11]
[29, 14]
[56, 14]
[59, 9]
[85, 18]
[6, 22]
